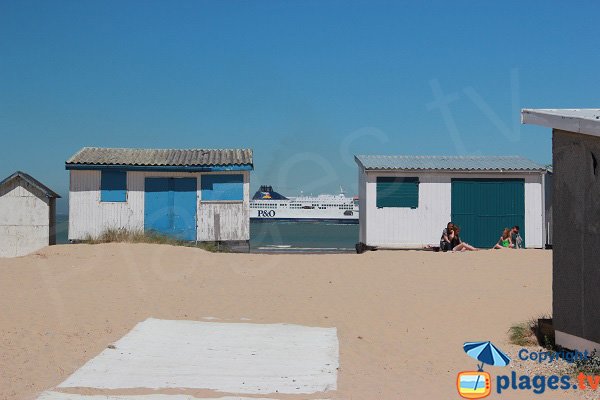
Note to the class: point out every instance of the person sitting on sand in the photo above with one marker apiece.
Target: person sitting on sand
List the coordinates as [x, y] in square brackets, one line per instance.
[517, 240]
[456, 243]
[445, 239]
[505, 241]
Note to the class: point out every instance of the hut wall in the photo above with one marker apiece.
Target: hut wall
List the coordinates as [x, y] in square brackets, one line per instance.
[24, 219]
[89, 217]
[414, 228]
[576, 250]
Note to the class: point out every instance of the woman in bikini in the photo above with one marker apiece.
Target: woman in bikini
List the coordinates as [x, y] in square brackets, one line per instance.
[457, 244]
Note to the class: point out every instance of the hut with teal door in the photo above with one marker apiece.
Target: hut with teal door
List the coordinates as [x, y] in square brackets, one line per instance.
[187, 194]
[406, 201]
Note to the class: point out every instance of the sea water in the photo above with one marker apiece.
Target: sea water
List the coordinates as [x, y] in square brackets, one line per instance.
[277, 236]
[302, 236]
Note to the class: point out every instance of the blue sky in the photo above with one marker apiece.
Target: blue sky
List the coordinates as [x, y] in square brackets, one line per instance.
[306, 84]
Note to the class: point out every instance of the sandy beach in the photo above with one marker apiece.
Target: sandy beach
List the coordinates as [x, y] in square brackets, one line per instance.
[401, 316]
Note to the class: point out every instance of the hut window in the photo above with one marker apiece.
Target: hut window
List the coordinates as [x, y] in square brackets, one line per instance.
[113, 186]
[219, 187]
[397, 192]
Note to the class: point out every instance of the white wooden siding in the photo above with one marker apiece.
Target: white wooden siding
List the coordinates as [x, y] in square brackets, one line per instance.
[89, 217]
[24, 219]
[362, 205]
[233, 218]
[534, 211]
[413, 228]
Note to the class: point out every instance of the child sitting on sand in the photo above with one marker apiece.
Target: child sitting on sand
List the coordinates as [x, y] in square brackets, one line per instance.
[505, 242]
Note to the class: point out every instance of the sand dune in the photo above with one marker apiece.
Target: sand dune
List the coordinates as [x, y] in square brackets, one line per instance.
[401, 316]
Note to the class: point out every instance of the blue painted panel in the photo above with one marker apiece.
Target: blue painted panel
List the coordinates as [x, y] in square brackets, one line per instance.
[157, 208]
[222, 187]
[113, 186]
[184, 208]
[170, 207]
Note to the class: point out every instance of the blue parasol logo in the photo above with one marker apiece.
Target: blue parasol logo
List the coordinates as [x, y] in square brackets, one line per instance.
[486, 353]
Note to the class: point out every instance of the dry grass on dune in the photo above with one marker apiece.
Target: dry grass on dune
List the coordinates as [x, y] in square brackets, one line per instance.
[129, 236]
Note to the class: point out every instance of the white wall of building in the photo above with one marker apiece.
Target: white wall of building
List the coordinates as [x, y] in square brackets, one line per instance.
[89, 217]
[362, 206]
[415, 228]
[25, 216]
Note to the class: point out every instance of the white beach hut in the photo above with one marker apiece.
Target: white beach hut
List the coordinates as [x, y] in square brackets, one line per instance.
[27, 215]
[189, 194]
[406, 201]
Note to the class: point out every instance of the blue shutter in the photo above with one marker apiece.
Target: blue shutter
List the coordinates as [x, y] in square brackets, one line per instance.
[113, 186]
[222, 187]
[397, 192]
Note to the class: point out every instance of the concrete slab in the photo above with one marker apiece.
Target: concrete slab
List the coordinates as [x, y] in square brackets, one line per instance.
[71, 396]
[227, 357]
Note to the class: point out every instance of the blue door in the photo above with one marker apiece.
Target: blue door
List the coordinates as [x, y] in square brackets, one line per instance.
[170, 207]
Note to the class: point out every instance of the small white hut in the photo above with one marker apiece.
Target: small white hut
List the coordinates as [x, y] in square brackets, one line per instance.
[27, 215]
[189, 194]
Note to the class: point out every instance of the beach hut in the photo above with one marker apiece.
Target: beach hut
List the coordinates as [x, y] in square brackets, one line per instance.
[576, 219]
[27, 215]
[188, 194]
[406, 201]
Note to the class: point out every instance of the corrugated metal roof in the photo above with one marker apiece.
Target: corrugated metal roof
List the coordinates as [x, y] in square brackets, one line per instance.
[33, 182]
[161, 157]
[451, 163]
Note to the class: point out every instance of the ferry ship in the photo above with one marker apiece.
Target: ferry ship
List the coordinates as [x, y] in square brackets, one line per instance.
[267, 204]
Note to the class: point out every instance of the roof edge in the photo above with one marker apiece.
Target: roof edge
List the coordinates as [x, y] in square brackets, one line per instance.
[551, 118]
[164, 168]
[538, 167]
[357, 161]
[33, 182]
[499, 170]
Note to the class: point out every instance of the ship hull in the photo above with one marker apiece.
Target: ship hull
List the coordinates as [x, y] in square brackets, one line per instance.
[281, 211]
[349, 221]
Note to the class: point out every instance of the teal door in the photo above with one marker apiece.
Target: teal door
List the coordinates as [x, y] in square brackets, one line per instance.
[483, 207]
[170, 207]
